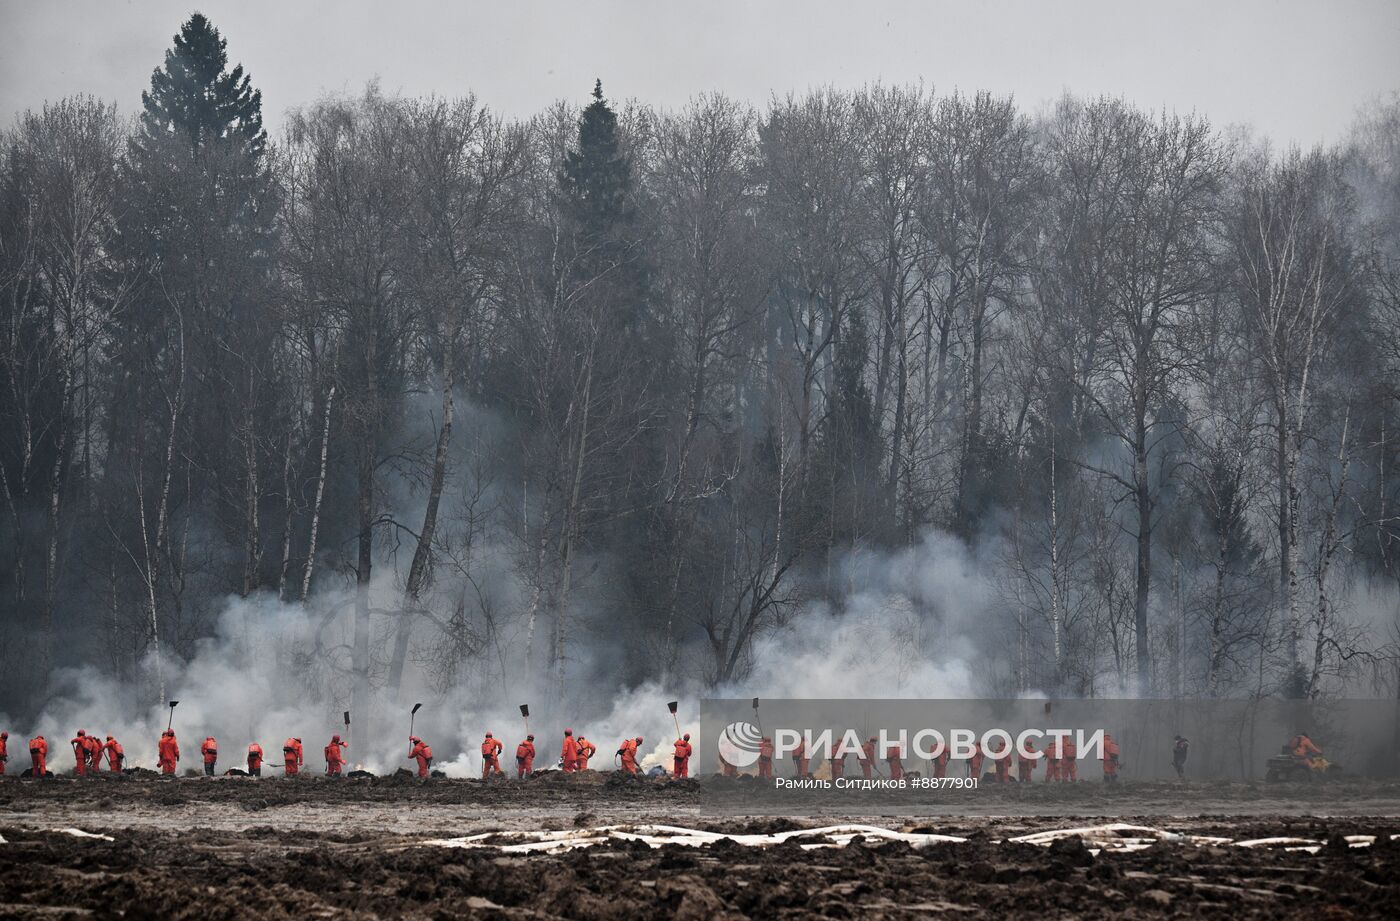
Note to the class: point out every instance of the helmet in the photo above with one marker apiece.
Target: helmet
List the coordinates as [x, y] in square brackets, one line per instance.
[414, 739]
[488, 735]
[639, 739]
[568, 732]
[530, 737]
[81, 733]
[335, 738]
[686, 737]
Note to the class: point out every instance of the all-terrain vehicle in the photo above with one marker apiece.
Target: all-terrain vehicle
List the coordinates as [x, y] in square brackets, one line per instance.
[1286, 766]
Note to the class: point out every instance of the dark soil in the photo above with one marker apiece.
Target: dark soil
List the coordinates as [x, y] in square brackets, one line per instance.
[243, 848]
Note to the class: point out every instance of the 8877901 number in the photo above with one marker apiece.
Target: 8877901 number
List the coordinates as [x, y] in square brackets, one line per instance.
[943, 783]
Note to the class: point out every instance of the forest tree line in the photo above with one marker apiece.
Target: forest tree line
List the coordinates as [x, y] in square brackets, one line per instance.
[679, 368]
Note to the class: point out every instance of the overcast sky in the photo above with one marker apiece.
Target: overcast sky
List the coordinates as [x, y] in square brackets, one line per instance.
[1294, 69]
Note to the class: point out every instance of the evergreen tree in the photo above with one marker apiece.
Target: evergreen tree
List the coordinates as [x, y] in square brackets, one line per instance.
[599, 210]
[597, 176]
[196, 344]
[193, 96]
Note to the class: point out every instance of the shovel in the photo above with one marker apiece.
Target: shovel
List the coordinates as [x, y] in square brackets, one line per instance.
[411, 715]
[173, 705]
[672, 707]
[525, 714]
[347, 728]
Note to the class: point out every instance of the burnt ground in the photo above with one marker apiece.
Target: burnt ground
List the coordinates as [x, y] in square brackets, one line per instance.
[236, 848]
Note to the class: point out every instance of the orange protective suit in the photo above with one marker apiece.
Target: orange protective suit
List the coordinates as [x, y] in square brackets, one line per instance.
[335, 756]
[291, 757]
[4, 750]
[525, 757]
[726, 769]
[210, 751]
[423, 754]
[80, 753]
[1110, 759]
[1052, 761]
[255, 759]
[838, 765]
[1302, 746]
[974, 764]
[893, 759]
[681, 757]
[115, 754]
[1003, 766]
[168, 752]
[1069, 764]
[586, 750]
[38, 757]
[490, 756]
[569, 753]
[799, 755]
[94, 747]
[1025, 763]
[867, 757]
[940, 764]
[765, 757]
[628, 751]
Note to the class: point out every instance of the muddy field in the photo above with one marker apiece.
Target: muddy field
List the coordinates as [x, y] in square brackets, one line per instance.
[230, 847]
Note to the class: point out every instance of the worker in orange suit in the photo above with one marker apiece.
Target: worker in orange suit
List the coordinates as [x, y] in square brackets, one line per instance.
[1110, 759]
[765, 757]
[255, 759]
[586, 750]
[168, 752]
[490, 756]
[799, 755]
[1052, 760]
[1069, 761]
[837, 762]
[525, 758]
[291, 757]
[1025, 762]
[94, 747]
[940, 763]
[680, 759]
[80, 753]
[115, 755]
[1301, 746]
[335, 756]
[1002, 765]
[726, 769]
[4, 750]
[974, 763]
[867, 757]
[894, 758]
[628, 751]
[38, 757]
[210, 751]
[569, 753]
[422, 753]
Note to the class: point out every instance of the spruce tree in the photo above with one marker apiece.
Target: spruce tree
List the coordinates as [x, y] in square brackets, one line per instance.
[599, 210]
[197, 239]
[597, 176]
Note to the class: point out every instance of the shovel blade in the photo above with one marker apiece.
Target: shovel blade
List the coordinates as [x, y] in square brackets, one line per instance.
[415, 708]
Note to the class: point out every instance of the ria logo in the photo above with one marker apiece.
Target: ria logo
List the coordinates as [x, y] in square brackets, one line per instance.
[738, 744]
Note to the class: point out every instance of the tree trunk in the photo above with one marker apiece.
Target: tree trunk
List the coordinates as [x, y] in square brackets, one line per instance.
[320, 494]
[418, 569]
